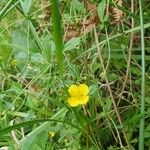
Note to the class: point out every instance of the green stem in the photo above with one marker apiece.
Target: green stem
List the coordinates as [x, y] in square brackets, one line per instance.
[141, 135]
[57, 34]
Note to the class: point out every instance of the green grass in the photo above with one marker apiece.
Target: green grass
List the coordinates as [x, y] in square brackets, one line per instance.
[142, 124]
[40, 58]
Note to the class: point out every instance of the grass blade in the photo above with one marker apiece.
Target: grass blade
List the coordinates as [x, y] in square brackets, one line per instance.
[33, 122]
[6, 8]
[141, 135]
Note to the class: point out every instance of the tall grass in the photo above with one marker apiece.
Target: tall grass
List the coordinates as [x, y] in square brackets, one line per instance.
[142, 124]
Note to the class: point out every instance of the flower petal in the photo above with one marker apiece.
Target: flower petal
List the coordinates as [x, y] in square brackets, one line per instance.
[83, 89]
[73, 101]
[51, 134]
[83, 100]
[73, 90]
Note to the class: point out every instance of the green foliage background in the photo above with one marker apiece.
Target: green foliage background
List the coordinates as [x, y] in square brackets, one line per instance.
[37, 65]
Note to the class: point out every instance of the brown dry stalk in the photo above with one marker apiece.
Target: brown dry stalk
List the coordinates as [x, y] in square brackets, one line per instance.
[129, 54]
[109, 89]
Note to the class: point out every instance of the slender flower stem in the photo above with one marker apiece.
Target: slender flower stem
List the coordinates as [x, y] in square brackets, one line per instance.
[141, 135]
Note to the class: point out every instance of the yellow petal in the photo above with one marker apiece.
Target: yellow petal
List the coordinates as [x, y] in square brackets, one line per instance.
[73, 90]
[52, 134]
[83, 100]
[73, 101]
[83, 89]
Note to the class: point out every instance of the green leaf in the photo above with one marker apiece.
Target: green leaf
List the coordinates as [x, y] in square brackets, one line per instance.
[26, 5]
[47, 44]
[36, 57]
[101, 10]
[5, 52]
[12, 147]
[72, 44]
[37, 39]
[5, 49]
[19, 41]
[78, 6]
[39, 142]
[26, 143]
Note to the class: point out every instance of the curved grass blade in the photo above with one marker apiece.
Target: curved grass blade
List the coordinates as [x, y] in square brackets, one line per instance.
[32, 122]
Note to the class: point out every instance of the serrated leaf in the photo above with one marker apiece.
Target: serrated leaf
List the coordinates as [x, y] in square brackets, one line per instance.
[101, 10]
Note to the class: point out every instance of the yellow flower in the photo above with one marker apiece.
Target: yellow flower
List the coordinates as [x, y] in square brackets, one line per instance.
[52, 134]
[78, 95]
[13, 62]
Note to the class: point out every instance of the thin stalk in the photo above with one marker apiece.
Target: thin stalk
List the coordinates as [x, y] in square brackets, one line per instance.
[135, 29]
[141, 135]
[109, 89]
[129, 54]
